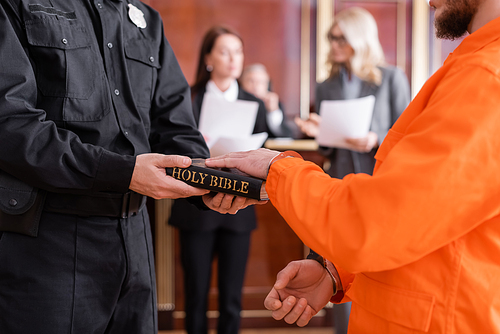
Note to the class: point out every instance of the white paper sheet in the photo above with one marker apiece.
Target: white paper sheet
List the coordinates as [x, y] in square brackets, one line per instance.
[343, 119]
[224, 145]
[221, 118]
[228, 126]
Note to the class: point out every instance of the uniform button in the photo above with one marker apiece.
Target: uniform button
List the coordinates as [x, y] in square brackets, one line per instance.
[64, 41]
[117, 92]
[99, 5]
[110, 45]
[152, 59]
[12, 202]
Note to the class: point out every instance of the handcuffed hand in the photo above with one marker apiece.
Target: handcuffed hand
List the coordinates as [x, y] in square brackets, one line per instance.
[301, 290]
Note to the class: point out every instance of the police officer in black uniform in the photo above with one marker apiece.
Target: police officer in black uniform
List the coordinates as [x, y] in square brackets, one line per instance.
[88, 89]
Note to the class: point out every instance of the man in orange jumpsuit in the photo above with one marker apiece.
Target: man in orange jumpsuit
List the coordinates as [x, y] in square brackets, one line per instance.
[416, 246]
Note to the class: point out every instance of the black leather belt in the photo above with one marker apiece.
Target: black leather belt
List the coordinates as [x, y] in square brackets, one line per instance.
[101, 204]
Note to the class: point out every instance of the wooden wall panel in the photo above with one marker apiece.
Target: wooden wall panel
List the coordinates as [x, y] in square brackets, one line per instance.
[270, 30]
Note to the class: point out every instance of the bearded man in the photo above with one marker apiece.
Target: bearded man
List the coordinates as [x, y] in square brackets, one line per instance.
[415, 246]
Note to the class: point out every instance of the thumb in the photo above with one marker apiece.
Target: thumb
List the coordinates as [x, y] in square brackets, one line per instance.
[174, 161]
[285, 275]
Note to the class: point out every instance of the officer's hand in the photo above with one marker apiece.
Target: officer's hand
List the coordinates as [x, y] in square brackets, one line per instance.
[150, 177]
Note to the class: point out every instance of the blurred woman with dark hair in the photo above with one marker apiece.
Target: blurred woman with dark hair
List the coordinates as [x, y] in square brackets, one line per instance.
[203, 235]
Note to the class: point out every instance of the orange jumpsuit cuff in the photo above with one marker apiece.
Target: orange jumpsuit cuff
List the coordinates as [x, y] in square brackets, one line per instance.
[282, 155]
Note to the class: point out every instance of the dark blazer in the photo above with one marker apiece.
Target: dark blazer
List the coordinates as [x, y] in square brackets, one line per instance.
[392, 97]
[186, 216]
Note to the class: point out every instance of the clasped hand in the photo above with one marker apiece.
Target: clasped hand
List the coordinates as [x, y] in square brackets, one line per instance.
[301, 290]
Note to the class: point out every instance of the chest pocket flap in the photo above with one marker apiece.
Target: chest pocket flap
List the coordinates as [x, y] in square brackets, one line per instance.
[67, 65]
[47, 33]
[143, 65]
[141, 50]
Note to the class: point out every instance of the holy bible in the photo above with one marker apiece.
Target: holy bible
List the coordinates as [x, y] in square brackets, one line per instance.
[224, 180]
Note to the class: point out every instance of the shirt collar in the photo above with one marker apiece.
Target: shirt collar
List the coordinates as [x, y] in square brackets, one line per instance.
[231, 94]
[478, 39]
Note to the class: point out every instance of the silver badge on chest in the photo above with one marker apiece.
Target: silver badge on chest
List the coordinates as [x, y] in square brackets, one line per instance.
[136, 16]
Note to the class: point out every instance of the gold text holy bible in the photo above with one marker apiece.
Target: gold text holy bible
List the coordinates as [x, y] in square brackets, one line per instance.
[225, 180]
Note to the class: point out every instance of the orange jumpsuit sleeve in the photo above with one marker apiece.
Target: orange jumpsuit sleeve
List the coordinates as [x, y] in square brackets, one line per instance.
[440, 180]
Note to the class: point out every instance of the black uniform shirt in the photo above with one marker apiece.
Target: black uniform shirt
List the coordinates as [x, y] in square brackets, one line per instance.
[83, 90]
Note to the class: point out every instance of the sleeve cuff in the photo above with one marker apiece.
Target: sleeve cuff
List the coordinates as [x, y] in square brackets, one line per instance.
[346, 279]
[114, 173]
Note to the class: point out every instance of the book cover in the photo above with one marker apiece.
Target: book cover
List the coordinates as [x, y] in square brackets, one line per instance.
[225, 180]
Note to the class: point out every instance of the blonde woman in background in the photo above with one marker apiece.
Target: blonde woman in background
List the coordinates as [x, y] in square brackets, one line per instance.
[357, 69]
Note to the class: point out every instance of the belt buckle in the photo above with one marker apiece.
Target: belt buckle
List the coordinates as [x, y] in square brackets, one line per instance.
[131, 204]
[125, 204]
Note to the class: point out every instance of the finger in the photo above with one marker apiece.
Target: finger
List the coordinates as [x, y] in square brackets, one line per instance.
[250, 201]
[305, 316]
[174, 161]
[183, 190]
[171, 188]
[193, 191]
[315, 117]
[240, 203]
[272, 301]
[285, 308]
[227, 203]
[237, 204]
[217, 158]
[299, 121]
[227, 160]
[352, 141]
[221, 203]
[297, 310]
[214, 200]
[285, 275]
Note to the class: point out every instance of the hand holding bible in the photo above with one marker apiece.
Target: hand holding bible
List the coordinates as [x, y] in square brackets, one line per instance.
[149, 177]
[224, 203]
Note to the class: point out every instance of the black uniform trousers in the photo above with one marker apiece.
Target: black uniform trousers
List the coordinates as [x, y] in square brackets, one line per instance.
[198, 248]
[79, 275]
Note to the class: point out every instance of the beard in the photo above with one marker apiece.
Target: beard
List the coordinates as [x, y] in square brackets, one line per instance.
[455, 18]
